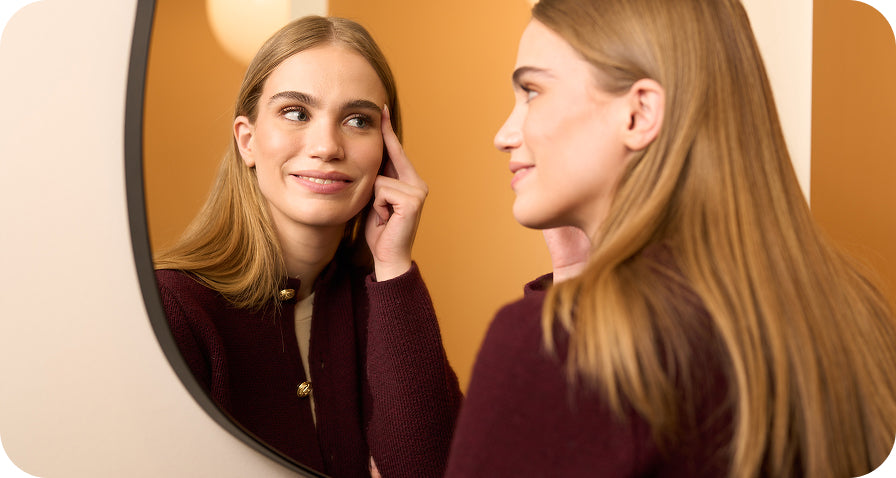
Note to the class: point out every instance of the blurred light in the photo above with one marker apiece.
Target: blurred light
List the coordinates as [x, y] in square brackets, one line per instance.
[242, 26]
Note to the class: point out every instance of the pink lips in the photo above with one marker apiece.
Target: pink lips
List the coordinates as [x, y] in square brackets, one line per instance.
[322, 182]
[519, 170]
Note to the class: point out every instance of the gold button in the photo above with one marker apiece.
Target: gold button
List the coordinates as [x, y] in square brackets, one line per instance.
[287, 294]
[304, 389]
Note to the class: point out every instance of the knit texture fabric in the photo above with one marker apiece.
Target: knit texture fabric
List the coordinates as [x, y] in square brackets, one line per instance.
[522, 417]
[382, 384]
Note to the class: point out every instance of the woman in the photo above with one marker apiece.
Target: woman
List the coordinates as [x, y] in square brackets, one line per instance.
[713, 330]
[292, 295]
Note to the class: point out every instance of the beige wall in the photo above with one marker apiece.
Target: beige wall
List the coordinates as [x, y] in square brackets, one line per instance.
[86, 391]
[784, 32]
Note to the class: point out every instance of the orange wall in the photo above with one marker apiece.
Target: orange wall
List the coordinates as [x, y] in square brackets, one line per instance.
[854, 131]
[453, 62]
[191, 85]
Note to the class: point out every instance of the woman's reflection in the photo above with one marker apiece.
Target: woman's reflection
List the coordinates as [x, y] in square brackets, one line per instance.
[292, 294]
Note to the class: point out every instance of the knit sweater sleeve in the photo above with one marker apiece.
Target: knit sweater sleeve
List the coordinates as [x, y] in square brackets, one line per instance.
[414, 392]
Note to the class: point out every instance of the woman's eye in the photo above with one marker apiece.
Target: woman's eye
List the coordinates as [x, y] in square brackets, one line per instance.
[530, 94]
[296, 115]
[358, 122]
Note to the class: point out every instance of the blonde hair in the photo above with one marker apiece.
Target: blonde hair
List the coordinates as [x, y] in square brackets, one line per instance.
[806, 338]
[231, 244]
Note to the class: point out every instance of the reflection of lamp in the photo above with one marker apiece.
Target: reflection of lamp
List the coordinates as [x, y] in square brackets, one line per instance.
[241, 26]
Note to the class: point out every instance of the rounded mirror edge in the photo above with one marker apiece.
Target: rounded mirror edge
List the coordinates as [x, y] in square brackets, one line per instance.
[136, 205]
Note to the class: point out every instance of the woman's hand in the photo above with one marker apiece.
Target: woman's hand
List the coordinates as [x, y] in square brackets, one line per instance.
[569, 248]
[398, 196]
[374, 472]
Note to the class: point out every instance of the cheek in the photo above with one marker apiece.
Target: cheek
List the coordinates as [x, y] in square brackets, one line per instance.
[367, 156]
[543, 128]
[272, 144]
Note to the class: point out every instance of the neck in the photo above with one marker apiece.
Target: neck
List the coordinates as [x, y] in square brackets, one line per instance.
[306, 251]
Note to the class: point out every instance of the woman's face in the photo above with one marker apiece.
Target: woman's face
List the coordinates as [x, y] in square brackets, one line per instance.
[316, 143]
[563, 136]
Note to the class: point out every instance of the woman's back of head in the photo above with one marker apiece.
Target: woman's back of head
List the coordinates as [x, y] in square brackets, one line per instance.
[809, 336]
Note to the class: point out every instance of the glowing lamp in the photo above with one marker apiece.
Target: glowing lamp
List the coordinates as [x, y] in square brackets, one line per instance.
[241, 26]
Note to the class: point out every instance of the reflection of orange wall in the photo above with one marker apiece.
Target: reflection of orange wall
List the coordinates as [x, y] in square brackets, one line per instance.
[453, 63]
[190, 89]
[854, 131]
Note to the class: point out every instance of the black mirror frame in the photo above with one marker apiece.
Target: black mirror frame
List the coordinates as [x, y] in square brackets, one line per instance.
[136, 204]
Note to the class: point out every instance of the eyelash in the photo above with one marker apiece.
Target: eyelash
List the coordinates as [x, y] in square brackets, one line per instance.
[529, 92]
[298, 109]
[294, 109]
[367, 121]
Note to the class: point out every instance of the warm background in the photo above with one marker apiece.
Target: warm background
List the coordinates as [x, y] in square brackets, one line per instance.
[453, 61]
[854, 132]
[453, 71]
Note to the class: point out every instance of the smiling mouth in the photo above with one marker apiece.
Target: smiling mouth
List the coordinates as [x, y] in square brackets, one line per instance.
[321, 180]
[519, 172]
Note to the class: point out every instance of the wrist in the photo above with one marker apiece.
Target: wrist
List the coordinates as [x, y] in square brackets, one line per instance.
[384, 271]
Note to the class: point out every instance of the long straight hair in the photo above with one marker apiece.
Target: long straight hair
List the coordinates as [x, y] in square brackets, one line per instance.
[231, 244]
[806, 337]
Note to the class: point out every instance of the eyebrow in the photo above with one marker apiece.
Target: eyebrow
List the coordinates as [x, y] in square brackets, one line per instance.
[364, 104]
[314, 102]
[297, 96]
[528, 70]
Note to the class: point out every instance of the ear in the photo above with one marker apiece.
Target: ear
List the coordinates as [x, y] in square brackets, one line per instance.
[243, 132]
[646, 102]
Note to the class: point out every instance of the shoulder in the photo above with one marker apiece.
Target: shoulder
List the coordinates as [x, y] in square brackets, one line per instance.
[175, 279]
[515, 334]
[180, 291]
[180, 282]
[510, 355]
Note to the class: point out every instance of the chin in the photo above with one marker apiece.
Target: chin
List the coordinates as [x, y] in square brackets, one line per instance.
[541, 218]
[531, 221]
[321, 216]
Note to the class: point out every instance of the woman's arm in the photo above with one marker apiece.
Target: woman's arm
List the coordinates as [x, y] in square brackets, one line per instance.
[414, 393]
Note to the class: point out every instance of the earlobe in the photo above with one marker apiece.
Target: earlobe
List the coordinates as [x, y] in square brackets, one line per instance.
[646, 100]
[243, 132]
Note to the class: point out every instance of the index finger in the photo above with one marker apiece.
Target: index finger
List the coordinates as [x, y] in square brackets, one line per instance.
[399, 159]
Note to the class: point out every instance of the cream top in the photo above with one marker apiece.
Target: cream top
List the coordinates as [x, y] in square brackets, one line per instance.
[303, 311]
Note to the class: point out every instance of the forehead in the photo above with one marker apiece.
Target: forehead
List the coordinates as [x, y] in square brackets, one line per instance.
[329, 72]
[543, 48]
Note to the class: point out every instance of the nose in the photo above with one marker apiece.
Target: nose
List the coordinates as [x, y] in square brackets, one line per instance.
[324, 142]
[510, 136]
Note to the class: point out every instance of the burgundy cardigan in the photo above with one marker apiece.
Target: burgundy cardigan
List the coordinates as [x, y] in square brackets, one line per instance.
[382, 383]
[522, 418]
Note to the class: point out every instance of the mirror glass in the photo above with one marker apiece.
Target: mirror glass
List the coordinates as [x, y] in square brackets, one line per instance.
[191, 81]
